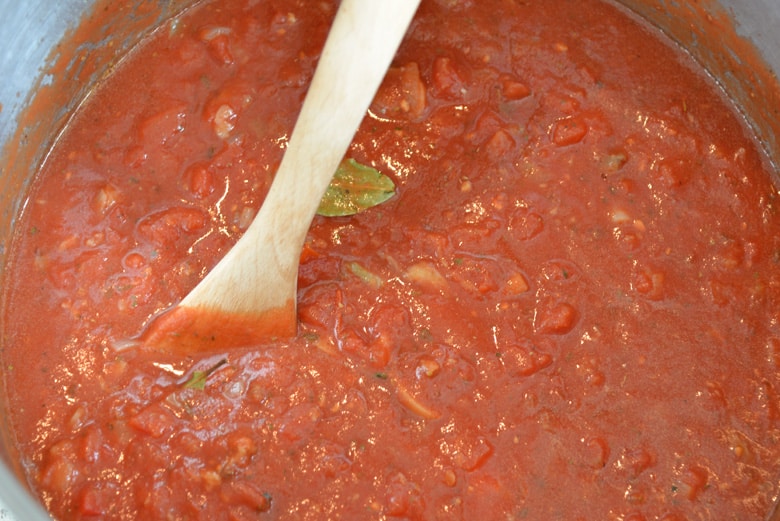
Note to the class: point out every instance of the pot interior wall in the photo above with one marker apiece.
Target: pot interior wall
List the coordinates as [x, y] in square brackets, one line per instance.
[57, 52]
[36, 103]
[738, 43]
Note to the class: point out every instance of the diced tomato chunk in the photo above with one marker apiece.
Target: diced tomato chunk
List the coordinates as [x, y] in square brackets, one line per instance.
[154, 420]
[476, 275]
[470, 453]
[402, 94]
[500, 144]
[200, 180]
[105, 198]
[649, 283]
[161, 127]
[693, 481]
[92, 503]
[524, 361]
[526, 224]
[164, 228]
[448, 78]
[558, 318]
[248, 494]
[403, 498]
[569, 131]
[514, 90]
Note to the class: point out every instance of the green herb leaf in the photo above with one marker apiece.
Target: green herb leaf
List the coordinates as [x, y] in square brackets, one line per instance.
[197, 381]
[373, 280]
[354, 188]
[198, 378]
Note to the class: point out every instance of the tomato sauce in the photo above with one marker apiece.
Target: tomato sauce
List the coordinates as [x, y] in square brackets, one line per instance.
[570, 310]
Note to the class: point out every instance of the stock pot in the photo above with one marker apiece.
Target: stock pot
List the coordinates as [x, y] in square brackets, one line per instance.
[55, 50]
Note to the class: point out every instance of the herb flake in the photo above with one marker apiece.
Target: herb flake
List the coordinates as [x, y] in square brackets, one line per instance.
[198, 379]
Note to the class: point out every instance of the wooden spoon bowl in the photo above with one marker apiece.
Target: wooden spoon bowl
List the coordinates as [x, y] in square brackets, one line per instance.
[250, 295]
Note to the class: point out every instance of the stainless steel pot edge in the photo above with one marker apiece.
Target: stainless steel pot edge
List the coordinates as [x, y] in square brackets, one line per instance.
[21, 63]
[738, 44]
[16, 503]
[36, 36]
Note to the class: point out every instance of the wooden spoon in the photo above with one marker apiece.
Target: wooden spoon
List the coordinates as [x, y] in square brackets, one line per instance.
[251, 293]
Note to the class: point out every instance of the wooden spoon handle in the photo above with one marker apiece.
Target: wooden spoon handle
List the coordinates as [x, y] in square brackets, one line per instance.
[360, 47]
[361, 44]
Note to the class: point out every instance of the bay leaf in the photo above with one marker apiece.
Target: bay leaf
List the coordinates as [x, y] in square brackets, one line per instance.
[354, 188]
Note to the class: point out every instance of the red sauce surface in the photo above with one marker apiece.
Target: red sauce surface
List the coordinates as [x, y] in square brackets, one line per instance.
[569, 311]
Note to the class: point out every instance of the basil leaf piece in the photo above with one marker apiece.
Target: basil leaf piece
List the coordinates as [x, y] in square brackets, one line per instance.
[366, 276]
[198, 380]
[354, 188]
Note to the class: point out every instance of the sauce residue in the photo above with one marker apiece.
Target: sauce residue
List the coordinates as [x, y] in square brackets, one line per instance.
[189, 330]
